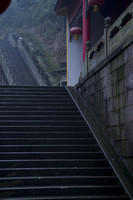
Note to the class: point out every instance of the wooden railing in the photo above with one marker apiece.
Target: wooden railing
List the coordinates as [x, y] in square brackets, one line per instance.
[114, 36]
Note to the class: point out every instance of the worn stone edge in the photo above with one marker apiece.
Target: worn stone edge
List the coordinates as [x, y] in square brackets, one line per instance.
[112, 156]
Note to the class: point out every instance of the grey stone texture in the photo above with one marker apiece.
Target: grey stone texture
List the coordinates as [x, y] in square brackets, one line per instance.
[109, 93]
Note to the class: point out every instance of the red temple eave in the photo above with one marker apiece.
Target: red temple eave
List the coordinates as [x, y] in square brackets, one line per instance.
[61, 8]
[57, 5]
[62, 11]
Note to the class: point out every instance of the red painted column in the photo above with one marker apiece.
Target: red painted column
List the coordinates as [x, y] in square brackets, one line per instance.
[86, 29]
[127, 3]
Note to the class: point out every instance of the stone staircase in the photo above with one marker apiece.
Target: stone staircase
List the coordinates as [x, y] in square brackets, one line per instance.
[47, 151]
[14, 67]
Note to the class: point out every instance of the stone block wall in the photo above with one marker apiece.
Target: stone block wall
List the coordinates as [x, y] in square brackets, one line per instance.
[6, 76]
[3, 80]
[108, 90]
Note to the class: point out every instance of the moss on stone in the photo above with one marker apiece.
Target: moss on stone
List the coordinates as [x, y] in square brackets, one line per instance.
[121, 72]
[123, 148]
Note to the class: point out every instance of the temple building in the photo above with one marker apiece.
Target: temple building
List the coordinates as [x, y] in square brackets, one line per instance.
[98, 24]
[100, 64]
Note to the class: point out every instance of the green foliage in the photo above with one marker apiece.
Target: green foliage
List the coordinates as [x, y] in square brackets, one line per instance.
[43, 31]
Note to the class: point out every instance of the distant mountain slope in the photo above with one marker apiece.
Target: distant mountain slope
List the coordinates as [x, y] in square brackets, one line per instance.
[36, 22]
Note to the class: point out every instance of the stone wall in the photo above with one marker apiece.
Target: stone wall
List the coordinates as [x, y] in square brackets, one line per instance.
[3, 80]
[6, 76]
[108, 90]
[33, 69]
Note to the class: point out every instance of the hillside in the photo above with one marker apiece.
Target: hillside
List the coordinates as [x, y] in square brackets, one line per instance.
[42, 31]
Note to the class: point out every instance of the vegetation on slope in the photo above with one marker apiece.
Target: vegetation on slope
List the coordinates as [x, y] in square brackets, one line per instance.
[42, 30]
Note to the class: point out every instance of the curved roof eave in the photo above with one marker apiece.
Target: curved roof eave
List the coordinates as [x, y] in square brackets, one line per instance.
[61, 7]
